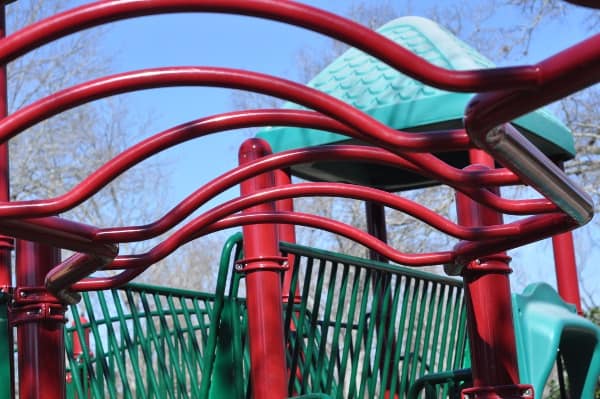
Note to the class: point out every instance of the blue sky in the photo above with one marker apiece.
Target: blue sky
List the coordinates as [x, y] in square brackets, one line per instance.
[252, 44]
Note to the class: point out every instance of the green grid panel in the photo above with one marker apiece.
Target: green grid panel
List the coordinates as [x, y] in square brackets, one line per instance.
[156, 342]
[361, 329]
[366, 329]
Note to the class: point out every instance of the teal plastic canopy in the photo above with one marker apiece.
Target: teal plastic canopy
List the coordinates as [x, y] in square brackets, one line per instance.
[404, 103]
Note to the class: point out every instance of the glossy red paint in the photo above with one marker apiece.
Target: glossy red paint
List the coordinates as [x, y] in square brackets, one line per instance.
[40, 341]
[480, 223]
[489, 308]
[566, 269]
[268, 371]
[6, 242]
[290, 12]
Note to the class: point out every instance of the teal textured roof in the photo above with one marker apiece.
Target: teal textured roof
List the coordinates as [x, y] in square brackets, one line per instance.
[404, 103]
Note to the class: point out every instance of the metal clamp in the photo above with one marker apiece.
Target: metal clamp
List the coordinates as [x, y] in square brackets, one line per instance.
[34, 304]
[522, 391]
[275, 263]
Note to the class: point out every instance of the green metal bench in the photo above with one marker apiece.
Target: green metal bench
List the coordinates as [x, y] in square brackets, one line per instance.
[360, 328]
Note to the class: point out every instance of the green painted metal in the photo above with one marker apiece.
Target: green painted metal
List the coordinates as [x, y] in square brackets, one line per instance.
[454, 379]
[546, 326]
[156, 342]
[6, 348]
[336, 341]
[404, 103]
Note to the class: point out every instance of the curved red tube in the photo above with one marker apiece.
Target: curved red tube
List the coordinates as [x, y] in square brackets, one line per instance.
[290, 12]
[443, 140]
[135, 264]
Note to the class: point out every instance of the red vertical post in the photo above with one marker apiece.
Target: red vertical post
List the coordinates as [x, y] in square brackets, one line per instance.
[6, 245]
[263, 268]
[565, 265]
[489, 308]
[566, 269]
[40, 320]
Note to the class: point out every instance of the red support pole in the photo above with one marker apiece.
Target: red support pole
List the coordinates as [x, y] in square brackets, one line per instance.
[489, 309]
[263, 268]
[39, 319]
[6, 245]
[566, 269]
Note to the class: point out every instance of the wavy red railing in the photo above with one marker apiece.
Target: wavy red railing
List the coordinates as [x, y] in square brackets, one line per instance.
[511, 92]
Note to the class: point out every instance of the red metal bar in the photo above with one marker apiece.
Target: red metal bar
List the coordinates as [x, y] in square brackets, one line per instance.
[263, 289]
[489, 309]
[374, 131]
[531, 229]
[566, 269]
[6, 243]
[450, 140]
[352, 191]
[562, 74]
[510, 148]
[40, 339]
[345, 30]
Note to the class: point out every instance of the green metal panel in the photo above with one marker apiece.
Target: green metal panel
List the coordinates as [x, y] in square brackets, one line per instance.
[362, 328]
[545, 326]
[158, 342]
[404, 103]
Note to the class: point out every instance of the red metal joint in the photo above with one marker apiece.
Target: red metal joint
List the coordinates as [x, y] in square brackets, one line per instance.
[517, 391]
[33, 304]
[275, 263]
[6, 291]
[496, 263]
[7, 242]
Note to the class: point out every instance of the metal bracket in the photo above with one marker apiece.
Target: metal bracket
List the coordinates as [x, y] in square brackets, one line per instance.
[276, 263]
[521, 391]
[34, 304]
[483, 265]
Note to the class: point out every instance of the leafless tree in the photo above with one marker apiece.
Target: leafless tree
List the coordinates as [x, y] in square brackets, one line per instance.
[506, 41]
[51, 157]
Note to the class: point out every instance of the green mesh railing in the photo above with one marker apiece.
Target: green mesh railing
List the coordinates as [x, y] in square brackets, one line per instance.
[358, 329]
[364, 329]
[150, 342]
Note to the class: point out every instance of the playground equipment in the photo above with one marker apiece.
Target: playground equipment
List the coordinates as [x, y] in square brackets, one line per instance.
[315, 324]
